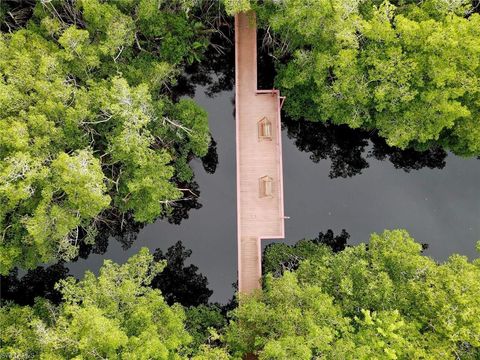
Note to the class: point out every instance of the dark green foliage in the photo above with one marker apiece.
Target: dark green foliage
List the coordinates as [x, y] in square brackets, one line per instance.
[204, 323]
[279, 258]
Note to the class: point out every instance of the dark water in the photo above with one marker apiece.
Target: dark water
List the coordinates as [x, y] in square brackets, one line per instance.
[209, 232]
[440, 207]
[334, 178]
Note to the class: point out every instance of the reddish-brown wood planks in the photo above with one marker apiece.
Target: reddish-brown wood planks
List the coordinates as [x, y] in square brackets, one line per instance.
[258, 217]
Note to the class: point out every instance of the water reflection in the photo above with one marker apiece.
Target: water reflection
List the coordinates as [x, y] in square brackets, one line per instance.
[216, 72]
[347, 148]
[39, 282]
[115, 225]
[210, 161]
[178, 282]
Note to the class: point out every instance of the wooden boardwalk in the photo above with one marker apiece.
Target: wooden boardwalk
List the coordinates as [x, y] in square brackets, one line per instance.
[260, 210]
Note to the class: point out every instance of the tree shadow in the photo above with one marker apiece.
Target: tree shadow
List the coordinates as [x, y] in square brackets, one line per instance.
[210, 160]
[14, 14]
[178, 282]
[123, 227]
[216, 71]
[349, 149]
[280, 257]
[39, 282]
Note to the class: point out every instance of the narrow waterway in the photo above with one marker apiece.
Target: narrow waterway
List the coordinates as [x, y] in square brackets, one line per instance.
[439, 206]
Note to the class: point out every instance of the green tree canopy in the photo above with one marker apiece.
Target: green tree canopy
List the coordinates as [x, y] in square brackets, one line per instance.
[409, 69]
[114, 315]
[384, 300]
[381, 301]
[87, 123]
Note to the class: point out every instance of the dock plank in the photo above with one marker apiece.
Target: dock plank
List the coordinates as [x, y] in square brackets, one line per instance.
[257, 217]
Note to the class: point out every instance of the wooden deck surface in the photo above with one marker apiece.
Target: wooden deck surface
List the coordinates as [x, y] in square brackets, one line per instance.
[257, 217]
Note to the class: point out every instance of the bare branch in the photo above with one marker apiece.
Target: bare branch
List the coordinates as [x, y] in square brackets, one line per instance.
[175, 124]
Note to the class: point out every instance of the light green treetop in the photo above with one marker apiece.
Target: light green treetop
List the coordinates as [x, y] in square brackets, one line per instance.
[87, 124]
[409, 70]
[114, 315]
[233, 7]
[384, 301]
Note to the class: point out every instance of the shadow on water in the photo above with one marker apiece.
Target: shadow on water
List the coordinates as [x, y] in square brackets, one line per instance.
[349, 149]
[178, 282]
[216, 72]
[124, 229]
[39, 282]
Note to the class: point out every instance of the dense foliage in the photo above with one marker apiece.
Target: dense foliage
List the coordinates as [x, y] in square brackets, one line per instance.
[116, 315]
[92, 133]
[409, 69]
[88, 127]
[321, 299]
[384, 300]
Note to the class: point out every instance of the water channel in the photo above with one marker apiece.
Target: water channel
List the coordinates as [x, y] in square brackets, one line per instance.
[439, 206]
[334, 178]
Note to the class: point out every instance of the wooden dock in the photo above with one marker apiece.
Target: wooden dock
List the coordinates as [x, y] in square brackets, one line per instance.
[260, 210]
